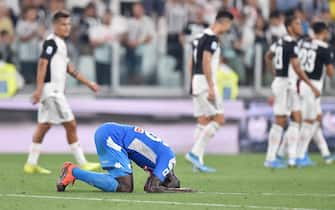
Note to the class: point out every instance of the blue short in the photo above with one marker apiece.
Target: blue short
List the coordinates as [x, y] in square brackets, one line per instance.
[112, 156]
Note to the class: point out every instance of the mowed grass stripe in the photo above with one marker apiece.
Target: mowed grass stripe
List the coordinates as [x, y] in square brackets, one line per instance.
[177, 203]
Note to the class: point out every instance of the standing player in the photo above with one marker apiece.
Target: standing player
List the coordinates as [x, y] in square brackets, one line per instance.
[315, 56]
[284, 55]
[116, 145]
[53, 108]
[206, 99]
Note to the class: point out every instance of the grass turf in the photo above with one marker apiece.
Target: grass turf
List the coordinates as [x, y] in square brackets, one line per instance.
[240, 183]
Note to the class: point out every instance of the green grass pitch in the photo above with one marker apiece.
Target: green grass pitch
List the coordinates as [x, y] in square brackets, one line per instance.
[240, 183]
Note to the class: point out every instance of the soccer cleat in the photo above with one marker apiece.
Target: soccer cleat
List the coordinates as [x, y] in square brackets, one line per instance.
[304, 162]
[291, 163]
[89, 166]
[274, 164]
[206, 169]
[280, 158]
[66, 177]
[329, 159]
[35, 169]
[193, 159]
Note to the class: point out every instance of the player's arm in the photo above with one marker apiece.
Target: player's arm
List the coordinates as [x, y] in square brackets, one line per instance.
[329, 57]
[268, 61]
[206, 66]
[301, 74]
[41, 72]
[330, 70]
[75, 74]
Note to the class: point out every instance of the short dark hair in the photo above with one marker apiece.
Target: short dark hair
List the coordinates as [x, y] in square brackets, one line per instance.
[60, 14]
[275, 14]
[319, 27]
[289, 20]
[224, 14]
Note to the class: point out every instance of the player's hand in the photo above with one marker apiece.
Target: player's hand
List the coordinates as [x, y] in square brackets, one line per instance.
[94, 87]
[316, 92]
[36, 97]
[211, 94]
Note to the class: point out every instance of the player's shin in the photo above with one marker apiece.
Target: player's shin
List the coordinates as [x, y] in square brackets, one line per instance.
[201, 142]
[78, 153]
[274, 140]
[34, 153]
[306, 135]
[320, 141]
[293, 136]
[104, 182]
[282, 151]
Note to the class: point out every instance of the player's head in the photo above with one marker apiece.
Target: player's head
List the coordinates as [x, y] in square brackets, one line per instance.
[223, 21]
[320, 30]
[138, 10]
[293, 25]
[61, 24]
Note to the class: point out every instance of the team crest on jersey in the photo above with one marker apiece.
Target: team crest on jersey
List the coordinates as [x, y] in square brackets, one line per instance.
[139, 130]
[214, 45]
[49, 50]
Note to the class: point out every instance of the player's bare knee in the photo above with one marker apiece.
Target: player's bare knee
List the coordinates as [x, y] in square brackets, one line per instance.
[203, 120]
[309, 121]
[70, 126]
[219, 119]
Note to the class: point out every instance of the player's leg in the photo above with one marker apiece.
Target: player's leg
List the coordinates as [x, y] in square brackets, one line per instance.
[72, 139]
[293, 136]
[199, 109]
[31, 165]
[282, 150]
[196, 155]
[275, 135]
[321, 142]
[307, 129]
[115, 180]
[281, 111]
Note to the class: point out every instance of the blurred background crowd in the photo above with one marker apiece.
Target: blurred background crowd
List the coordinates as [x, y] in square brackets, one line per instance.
[123, 43]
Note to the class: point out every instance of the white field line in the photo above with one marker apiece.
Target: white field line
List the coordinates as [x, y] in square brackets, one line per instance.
[272, 194]
[177, 203]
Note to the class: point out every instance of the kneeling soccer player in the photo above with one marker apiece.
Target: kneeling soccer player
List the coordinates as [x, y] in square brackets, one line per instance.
[116, 145]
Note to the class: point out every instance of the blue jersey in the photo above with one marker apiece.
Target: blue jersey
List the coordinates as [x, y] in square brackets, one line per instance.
[117, 144]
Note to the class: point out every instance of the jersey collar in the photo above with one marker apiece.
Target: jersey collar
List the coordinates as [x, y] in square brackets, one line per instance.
[209, 31]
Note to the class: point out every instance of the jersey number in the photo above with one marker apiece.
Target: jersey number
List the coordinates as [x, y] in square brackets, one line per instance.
[278, 59]
[307, 59]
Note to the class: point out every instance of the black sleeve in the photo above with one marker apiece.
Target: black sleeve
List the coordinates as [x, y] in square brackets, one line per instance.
[327, 56]
[49, 49]
[187, 29]
[293, 50]
[211, 44]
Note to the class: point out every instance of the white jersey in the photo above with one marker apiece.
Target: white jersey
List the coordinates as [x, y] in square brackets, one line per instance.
[55, 51]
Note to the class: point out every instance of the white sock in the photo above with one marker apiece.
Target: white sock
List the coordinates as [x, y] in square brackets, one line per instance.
[282, 151]
[293, 136]
[34, 153]
[207, 133]
[197, 133]
[274, 140]
[306, 136]
[78, 153]
[320, 141]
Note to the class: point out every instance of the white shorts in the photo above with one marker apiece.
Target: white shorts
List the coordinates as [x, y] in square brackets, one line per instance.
[54, 110]
[311, 106]
[204, 107]
[287, 99]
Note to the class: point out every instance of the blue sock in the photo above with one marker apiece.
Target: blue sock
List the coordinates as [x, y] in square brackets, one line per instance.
[104, 182]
